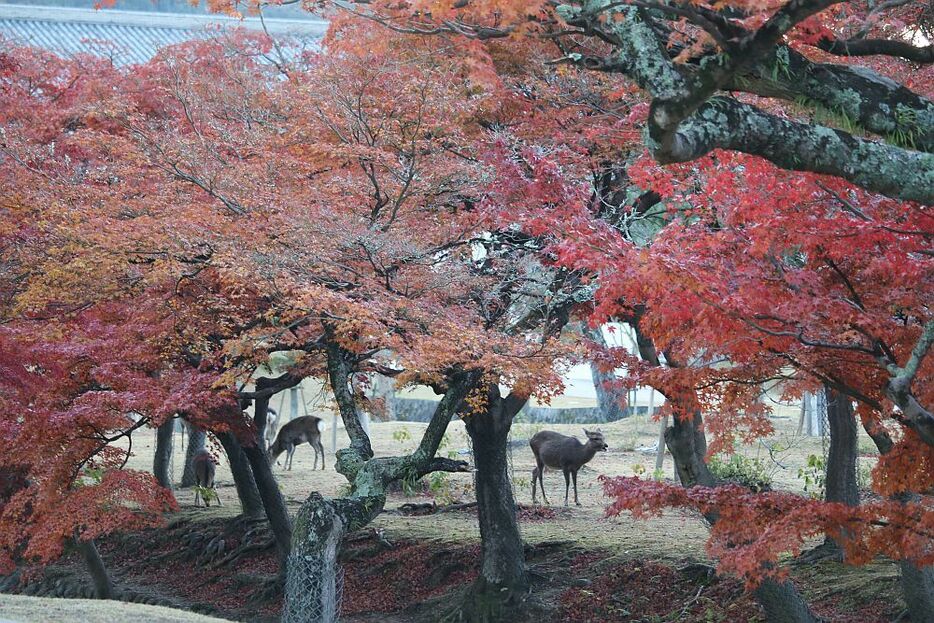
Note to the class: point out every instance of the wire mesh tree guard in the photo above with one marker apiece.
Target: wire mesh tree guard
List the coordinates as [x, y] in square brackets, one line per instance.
[315, 587]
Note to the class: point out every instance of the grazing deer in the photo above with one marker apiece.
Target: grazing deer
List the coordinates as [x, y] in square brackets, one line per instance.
[301, 429]
[272, 421]
[559, 451]
[203, 464]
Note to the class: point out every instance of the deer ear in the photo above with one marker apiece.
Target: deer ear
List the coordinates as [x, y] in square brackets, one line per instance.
[586, 432]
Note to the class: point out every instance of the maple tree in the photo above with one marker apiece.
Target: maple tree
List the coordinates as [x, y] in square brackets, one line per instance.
[769, 269]
[208, 210]
[760, 54]
[474, 339]
[838, 295]
[704, 68]
[85, 276]
[169, 227]
[58, 424]
[746, 275]
[735, 280]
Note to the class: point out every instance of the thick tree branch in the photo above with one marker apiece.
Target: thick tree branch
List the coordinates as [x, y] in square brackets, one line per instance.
[898, 389]
[725, 123]
[340, 370]
[639, 53]
[781, 22]
[918, 353]
[687, 122]
[459, 385]
[878, 47]
[855, 94]
[440, 464]
[266, 387]
[513, 403]
[369, 477]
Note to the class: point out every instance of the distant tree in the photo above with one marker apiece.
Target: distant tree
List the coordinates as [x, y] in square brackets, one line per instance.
[196, 441]
[611, 397]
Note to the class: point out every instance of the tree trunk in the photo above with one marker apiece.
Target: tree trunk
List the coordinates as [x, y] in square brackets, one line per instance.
[384, 389]
[918, 590]
[313, 578]
[251, 504]
[273, 502]
[611, 400]
[815, 412]
[688, 445]
[196, 440]
[503, 583]
[162, 460]
[783, 603]
[660, 453]
[840, 481]
[103, 585]
[313, 581]
[917, 582]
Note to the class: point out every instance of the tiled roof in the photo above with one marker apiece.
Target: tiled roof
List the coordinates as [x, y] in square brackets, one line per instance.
[131, 37]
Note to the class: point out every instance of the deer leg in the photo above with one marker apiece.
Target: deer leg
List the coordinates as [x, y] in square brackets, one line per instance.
[535, 485]
[567, 485]
[321, 449]
[288, 457]
[541, 480]
[217, 495]
[197, 496]
[574, 476]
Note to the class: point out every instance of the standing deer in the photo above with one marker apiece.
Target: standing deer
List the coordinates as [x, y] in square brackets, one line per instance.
[203, 464]
[559, 451]
[272, 421]
[301, 429]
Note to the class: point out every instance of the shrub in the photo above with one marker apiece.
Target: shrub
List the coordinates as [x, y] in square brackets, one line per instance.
[814, 475]
[749, 472]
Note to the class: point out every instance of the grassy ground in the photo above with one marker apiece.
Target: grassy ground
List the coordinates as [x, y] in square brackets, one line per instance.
[670, 537]
[25, 609]
[582, 555]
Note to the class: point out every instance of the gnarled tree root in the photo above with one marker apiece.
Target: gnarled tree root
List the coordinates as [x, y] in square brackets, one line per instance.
[485, 602]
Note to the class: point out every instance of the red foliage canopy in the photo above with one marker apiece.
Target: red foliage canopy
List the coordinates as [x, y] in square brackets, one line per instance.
[168, 226]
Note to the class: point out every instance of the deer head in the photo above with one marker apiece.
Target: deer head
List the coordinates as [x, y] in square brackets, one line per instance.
[595, 439]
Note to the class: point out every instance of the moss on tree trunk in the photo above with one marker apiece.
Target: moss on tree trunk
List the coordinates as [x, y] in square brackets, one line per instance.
[312, 574]
[313, 582]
